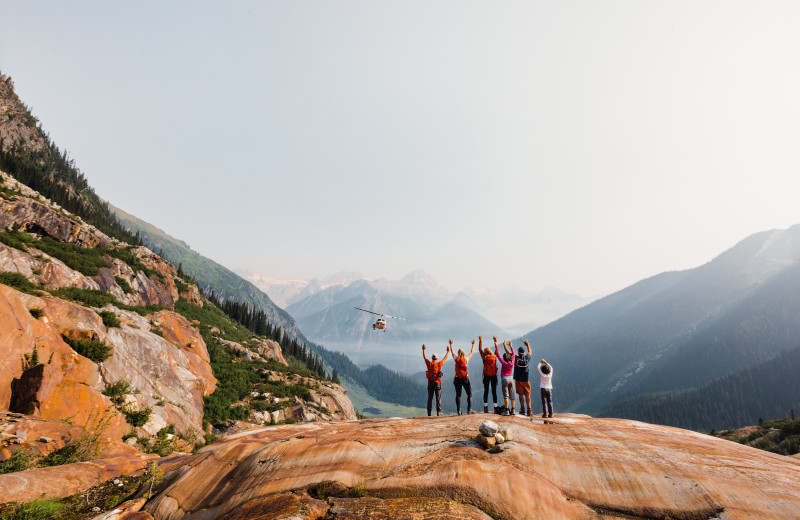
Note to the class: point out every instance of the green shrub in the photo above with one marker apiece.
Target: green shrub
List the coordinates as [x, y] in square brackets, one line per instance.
[65, 455]
[162, 445]
[110, 319]
[117, 391]
[16, 239]
[36, 312]
[88, 297]
[19, 282]
[20, 460]
[124, 285]
[83, 259]
[180, 285]
[137, 418]
[94, 350]
[40, 509]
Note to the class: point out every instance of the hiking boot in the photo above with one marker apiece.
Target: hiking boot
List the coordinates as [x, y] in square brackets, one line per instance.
[513, 411]
[505, 412]
[470, 411]
[485, 409]
[550, 416]
[522, 411]
[530, 412]
[544, 415]
[459, 412]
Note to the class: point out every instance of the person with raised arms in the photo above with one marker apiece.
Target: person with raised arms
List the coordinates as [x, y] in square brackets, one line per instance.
[461, 380]
[521, 382]
[434, 375]
[489, 374]
[546, 388]
[506, 375]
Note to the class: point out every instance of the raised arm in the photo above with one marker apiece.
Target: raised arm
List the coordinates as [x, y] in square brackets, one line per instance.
[423, 354]
[472, 351]
[480, 347]
[449, 349]
[529, 346]
[508, 348]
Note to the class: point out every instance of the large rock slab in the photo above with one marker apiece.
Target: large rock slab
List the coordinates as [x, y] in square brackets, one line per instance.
[573, 467]
[415, 508]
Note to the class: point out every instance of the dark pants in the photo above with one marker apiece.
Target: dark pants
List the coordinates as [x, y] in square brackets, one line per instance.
[435, 388]
[547, 401]
[463, 382]
[487, 380]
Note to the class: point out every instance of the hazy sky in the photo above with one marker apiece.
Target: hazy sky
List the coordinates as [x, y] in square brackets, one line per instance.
[583, 145]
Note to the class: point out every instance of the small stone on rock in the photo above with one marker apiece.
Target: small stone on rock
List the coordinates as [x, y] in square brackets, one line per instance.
[506, 433]
[45, 439]
[499, 438]
[486, 442]
[488, 428]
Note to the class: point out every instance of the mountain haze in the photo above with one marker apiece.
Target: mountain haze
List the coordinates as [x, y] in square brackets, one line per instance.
[679, 330]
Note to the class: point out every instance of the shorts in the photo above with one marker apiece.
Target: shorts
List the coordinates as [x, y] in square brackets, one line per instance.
[523, 387]
[507, 385]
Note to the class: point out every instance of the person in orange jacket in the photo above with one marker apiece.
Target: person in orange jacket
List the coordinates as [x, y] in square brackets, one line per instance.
[462, 376]
[434, 375]
[489, 374]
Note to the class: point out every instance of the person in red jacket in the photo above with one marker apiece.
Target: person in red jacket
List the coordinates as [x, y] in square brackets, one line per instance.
[462, 376]
[434, 375]
[489, 374]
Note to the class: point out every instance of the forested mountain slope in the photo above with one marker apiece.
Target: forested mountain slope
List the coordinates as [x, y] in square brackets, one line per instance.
[679, 330]
[768, 389]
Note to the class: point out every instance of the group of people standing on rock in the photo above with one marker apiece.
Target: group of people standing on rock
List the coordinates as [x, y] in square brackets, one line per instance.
[514, 378]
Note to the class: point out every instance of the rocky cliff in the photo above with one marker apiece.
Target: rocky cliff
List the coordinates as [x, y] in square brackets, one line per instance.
[570, 467]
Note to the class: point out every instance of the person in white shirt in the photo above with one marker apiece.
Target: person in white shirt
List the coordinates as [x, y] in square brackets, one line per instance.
[546, 388]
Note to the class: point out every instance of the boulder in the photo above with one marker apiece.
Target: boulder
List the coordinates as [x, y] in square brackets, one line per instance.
[507, 435]
[488, 428]
[486, 442]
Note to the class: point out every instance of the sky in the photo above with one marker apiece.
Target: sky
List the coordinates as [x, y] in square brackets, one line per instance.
[583, 145]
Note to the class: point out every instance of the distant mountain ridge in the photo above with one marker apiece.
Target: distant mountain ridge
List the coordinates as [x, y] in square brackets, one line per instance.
[679, 330]
[417, 295]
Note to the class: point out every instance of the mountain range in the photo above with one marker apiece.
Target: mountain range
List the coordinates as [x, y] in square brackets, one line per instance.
[325, 309]
[681, 330]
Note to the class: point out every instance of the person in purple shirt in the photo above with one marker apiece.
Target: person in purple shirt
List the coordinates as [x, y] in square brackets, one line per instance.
[506, 374]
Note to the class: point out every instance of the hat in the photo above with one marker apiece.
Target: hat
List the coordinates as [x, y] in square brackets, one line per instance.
[520, 350]
[433, 357]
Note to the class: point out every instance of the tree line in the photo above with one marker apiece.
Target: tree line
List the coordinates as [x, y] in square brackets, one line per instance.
[769, 389]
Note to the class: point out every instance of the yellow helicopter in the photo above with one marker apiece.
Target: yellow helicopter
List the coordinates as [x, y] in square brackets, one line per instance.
[380, 323]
